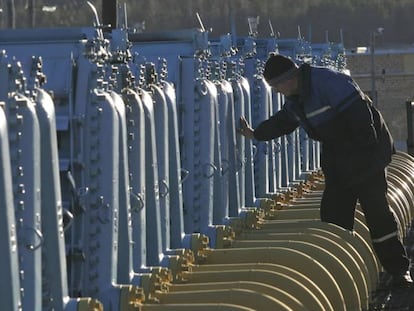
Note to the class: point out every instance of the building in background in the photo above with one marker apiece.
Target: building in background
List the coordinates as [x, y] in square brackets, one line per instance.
[393, 78]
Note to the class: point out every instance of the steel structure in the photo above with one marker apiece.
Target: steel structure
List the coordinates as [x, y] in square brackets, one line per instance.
[126, 187]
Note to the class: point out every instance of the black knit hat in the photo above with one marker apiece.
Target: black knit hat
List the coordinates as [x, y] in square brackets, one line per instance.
[279, 68]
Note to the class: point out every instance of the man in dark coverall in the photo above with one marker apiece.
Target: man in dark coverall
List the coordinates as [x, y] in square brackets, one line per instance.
[356, 148]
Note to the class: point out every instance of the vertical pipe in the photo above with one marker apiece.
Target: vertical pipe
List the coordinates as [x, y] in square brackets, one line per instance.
[162, 154]
[9, 267]
[176, 190]
[272, 182]
[125, 227]
[54, 274]
[223, 141]
[26, 181]
[276, 103]
[152, 195]
[239, 111]
[250, 195]
[136, 164]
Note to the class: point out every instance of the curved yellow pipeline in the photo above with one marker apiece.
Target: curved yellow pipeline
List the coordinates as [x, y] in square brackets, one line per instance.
[194, 306]
[279, 294]
[243, 297]
[284, 256]
[351, 285]
[274, 279]
[324, 249]
[274, 275]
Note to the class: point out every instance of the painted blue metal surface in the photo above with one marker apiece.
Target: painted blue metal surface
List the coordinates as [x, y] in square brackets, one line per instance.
[152, 196]
[124, 251]
[260, 111]
[136, 165]
[278, 148]
[176, 174]
[198, 154]
[24, 144]
[247, 155]
[55, 293]
[162, 143]
[9, 267]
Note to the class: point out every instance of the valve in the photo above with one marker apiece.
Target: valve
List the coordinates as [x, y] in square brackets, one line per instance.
[89, 304]
[225, 235]
[199, 245]
[131, 298]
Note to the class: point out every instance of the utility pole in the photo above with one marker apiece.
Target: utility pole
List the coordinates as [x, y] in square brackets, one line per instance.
[11, 14]
[31, 13]
[378, 32]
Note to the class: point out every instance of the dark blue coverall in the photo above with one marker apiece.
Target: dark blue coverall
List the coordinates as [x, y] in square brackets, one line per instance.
[356, 149]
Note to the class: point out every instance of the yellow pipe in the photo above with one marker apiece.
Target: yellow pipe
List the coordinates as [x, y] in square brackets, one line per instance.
[405, 157]
[296, 213]
[401, 176]
[406, 175]
[315, 193]
[359, 250]
[129, 297]
[243, 297]
[396, 188]
[346, 240]
[331, 256]
[292, 225]
[404, 186]
[348, 255]
[401, 164]
[352, 285]
[360, 237]
[399, 217]
[404, 169]
[270, 278]
[368, 270]
[277, 293]
[194, 306]
[302, 203]
[277, 275]
[279, 255]
[309, 212]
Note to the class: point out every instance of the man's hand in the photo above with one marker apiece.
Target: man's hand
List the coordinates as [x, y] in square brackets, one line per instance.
[245, 129]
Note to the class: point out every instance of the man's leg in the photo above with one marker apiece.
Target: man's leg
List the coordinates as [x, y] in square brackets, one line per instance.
[382, 224]
[338, 205]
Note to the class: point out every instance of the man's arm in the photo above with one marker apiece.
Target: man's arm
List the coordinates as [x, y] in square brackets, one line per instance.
[280, 124]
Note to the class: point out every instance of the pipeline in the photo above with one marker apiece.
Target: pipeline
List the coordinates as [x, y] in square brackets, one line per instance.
[126, 187]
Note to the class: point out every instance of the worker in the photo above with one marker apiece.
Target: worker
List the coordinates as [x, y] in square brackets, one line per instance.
[356, 149]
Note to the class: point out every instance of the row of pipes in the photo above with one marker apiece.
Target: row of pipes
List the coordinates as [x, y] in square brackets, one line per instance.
[126, 186]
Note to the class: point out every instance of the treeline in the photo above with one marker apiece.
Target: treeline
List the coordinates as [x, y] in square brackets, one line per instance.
[316, 19]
